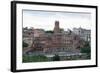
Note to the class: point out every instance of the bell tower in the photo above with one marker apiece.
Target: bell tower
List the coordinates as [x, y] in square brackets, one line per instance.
[56, 28]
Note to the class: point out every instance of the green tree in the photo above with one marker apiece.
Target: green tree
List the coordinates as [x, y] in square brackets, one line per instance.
[56, 58]
[25, 44]
[49, 31]
[86, 49]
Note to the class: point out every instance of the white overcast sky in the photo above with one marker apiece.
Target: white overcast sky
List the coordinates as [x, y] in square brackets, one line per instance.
[45, 19]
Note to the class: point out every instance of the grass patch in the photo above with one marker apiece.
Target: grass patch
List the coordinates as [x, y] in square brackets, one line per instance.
[39, 58]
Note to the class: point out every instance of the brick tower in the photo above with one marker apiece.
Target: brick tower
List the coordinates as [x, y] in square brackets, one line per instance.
[56, 28]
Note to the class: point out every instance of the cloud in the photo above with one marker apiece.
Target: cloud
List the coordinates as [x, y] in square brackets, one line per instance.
[45, 19]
